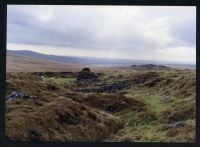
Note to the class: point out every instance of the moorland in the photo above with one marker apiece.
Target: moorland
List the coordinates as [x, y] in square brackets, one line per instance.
[52, 101]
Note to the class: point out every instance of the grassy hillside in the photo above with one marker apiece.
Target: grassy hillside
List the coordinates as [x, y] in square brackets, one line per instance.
[19, 63]
[53, 116]
[131, 105]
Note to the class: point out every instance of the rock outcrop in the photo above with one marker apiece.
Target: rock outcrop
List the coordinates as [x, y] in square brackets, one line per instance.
[148, 66]
[18, 95]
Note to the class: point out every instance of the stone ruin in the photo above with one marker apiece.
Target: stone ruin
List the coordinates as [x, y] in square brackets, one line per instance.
[86, 76]
[109, 88]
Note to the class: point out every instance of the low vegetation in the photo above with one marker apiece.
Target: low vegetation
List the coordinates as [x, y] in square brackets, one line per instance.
[153, 105]
[59, 120]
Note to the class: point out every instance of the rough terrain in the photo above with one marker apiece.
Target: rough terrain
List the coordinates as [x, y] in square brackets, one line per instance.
[151, 105]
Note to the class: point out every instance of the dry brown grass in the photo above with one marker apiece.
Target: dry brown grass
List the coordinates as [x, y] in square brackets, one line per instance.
[19, 63]
[179, 113]
[60, 120]
[110, 102]
[62, 115]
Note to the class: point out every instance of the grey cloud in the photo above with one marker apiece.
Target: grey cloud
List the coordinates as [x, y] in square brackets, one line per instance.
[91, 28]
[186, 33]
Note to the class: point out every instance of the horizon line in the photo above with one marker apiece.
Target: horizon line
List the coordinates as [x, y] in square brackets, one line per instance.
[127, 59]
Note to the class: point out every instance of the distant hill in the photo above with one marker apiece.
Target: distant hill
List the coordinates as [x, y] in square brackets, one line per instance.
[22, 63]
[88, 61]
[82, 60]
[17, 62]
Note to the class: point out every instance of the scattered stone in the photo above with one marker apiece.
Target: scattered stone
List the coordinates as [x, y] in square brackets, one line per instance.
[175, 125]
[166, 99]
[124, 103]
[148, 66]
[42, 77]
[18, 95]
[117, 86]
[86, 77]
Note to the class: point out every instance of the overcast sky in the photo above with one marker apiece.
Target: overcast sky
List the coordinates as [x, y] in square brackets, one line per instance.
[130, 32]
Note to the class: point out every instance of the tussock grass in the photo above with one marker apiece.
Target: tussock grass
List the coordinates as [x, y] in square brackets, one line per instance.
[60, 120]
[110, 102]
[136, 114]
[148, 125]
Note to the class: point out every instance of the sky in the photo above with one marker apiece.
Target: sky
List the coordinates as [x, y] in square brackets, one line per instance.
[162, 33]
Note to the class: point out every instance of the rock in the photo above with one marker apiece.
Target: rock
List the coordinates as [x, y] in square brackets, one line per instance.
[175, 125]
[13, 94]
[25, 96]
[42, 77]
[114, 87]
[166, 99]
[18, 95]
[117, 86]
[124, 103]
[33, 97]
